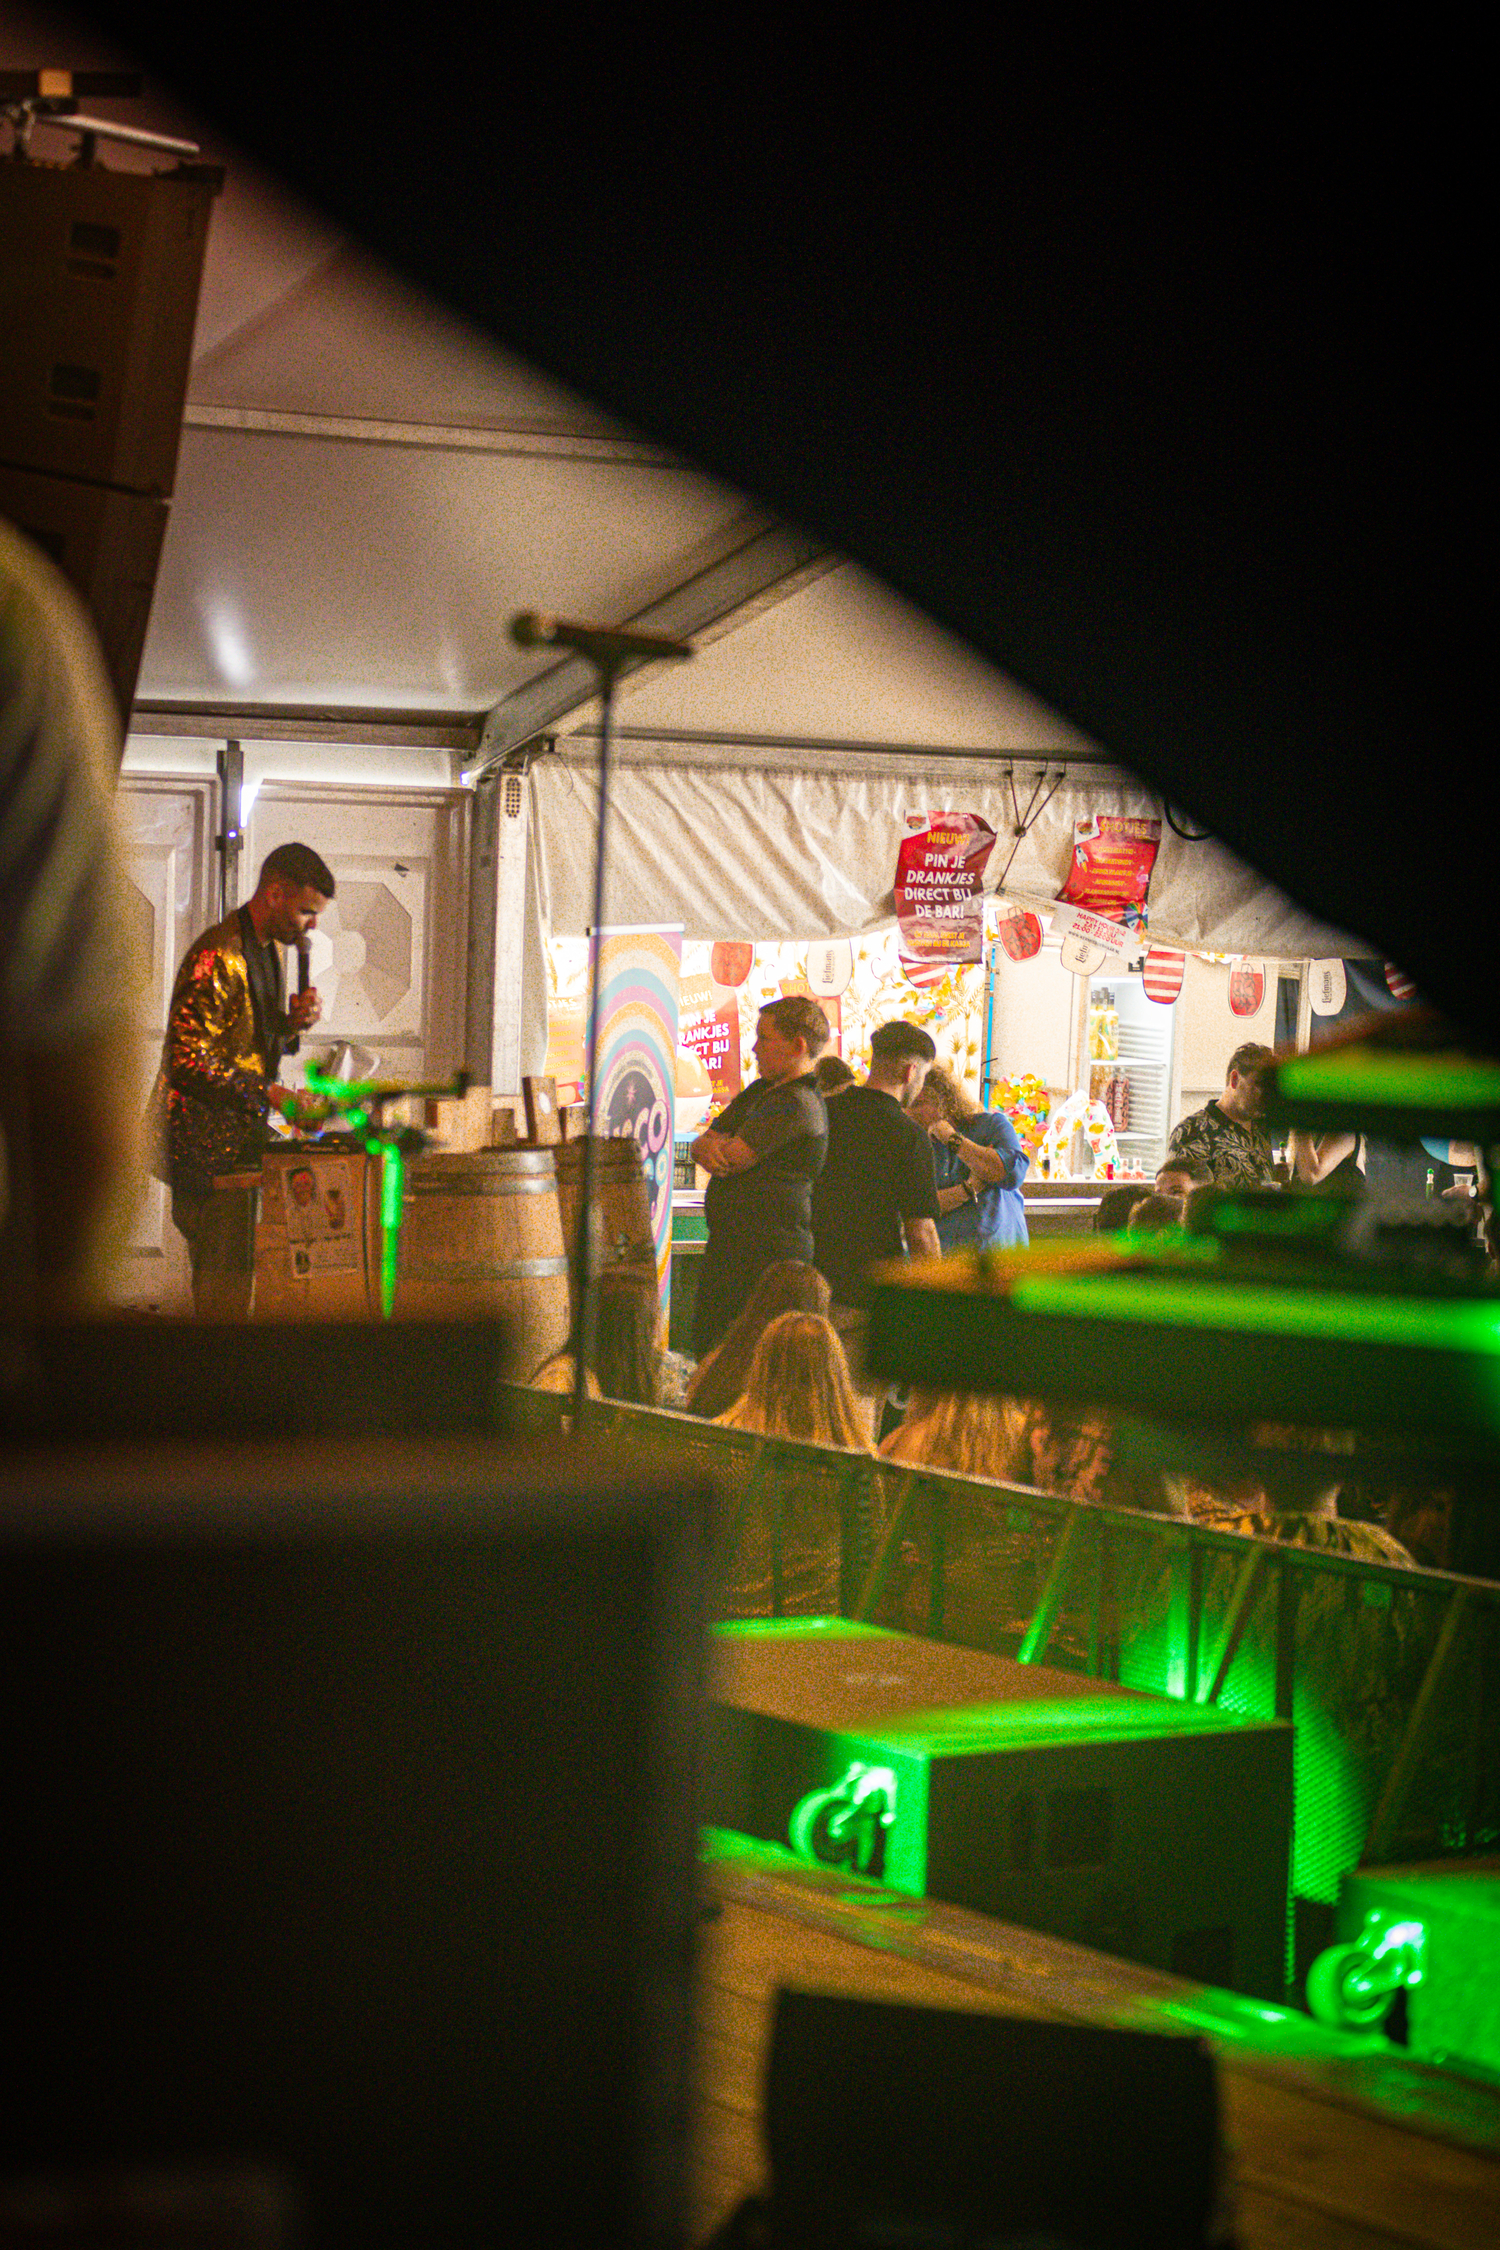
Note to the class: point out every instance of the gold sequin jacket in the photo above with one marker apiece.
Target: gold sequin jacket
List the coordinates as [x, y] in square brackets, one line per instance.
[209, 1104]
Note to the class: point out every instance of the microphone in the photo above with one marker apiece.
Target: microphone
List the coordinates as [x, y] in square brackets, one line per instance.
[604, 645]
[304, 964]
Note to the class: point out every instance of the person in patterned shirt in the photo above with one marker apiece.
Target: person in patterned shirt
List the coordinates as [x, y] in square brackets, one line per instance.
[1226, 1138]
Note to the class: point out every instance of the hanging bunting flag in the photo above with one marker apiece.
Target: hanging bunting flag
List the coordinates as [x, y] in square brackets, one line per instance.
[1019, 932]
[939, 889]
[1161, 974]
[1328, 987]
[1110, 871]
[830, 965]
[1398, 984]
[730, 964]
[1082, 957]
[1247, 988]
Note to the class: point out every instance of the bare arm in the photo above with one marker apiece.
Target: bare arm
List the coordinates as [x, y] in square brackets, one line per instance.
[949, 1198]
[1313, 1159]
[721, 1153]
[989, 1166]
[922, 1238]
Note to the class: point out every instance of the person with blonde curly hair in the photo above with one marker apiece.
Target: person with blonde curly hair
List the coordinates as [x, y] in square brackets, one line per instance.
[799, 1386]
[980, 1166]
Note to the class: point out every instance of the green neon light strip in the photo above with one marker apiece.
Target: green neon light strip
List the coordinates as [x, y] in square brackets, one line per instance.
[1327, 1315]
[799, 1629]
[1372, 1074]
[392, 1174]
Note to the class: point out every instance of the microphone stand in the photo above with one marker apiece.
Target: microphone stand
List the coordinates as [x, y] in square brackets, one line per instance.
[585, 1337]
[609, 651]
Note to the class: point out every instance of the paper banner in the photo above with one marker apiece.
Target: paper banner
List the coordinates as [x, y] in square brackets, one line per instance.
[939, 889]
[1247, 988]
[1110, 871]
[1093, 930]
[1020, 933]
[708, 1027]
[638, 971]
[1081, 956]
[830, 965]
[1328, 987]
[565, 1028]
[1161, 974]
[798, 988]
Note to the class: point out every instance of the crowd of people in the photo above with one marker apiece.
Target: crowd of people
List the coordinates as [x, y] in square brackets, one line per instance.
[815, 1177]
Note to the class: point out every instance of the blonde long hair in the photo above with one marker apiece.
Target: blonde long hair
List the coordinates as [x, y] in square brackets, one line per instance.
[974, 1433]
[799, 1386]
[788, 1285]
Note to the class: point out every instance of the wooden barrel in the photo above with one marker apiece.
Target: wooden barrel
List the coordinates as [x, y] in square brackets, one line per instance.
[622, 1201]
[481, 1238]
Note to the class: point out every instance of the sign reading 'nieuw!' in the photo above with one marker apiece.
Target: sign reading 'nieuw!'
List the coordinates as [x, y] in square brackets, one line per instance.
[939, 888]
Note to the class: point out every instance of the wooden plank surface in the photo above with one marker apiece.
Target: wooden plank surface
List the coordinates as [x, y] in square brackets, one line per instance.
[1336, 2143]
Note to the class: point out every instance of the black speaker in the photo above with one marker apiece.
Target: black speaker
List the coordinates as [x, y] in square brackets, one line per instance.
[107, 544]
[897, 2124]
[99, 277]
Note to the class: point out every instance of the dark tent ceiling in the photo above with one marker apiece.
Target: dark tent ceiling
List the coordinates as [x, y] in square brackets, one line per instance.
[1159, 407]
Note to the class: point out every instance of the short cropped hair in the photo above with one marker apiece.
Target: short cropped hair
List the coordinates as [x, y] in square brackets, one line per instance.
[1154, 1212]
[1189, 1167]
[798, 1017]
[1115, 1207]
[902, 1042]
[299, 865]
[832, 1073]
[1247, 1060]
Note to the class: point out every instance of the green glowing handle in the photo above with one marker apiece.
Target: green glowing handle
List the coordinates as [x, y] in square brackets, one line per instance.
[392, 1175]
[839, 1827]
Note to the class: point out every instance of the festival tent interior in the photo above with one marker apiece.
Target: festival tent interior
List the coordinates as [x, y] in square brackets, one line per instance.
[368, 488]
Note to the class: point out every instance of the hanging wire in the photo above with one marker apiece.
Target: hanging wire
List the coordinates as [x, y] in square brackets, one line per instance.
[1033, 812]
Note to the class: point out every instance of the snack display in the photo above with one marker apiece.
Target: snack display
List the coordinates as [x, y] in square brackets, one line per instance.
[1025, 1101]
[1104, 1033]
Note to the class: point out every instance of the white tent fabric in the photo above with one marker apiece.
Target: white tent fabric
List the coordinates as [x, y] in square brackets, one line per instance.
[803, 845]
[766, 844]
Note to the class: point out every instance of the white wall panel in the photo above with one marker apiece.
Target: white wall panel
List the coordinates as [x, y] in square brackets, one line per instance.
[167, 828]
[388, 957]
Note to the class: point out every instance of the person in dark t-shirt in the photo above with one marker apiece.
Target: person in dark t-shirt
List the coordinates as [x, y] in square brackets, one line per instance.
[876, 1196]
[763, 1153]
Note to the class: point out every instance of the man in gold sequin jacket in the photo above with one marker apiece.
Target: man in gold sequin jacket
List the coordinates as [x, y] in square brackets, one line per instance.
[230, 1024]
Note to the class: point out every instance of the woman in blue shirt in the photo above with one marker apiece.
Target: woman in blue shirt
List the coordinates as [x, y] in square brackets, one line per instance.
[980, 1166]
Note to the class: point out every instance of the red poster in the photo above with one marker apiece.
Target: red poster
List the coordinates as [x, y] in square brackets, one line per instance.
[939, 889]
[1113, 856]
[709, 1028]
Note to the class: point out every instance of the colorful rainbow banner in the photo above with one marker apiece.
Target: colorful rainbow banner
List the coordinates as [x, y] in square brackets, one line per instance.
[638, 969]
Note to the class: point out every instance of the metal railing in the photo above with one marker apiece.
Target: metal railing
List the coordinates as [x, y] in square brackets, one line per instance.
[1391, 1675]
